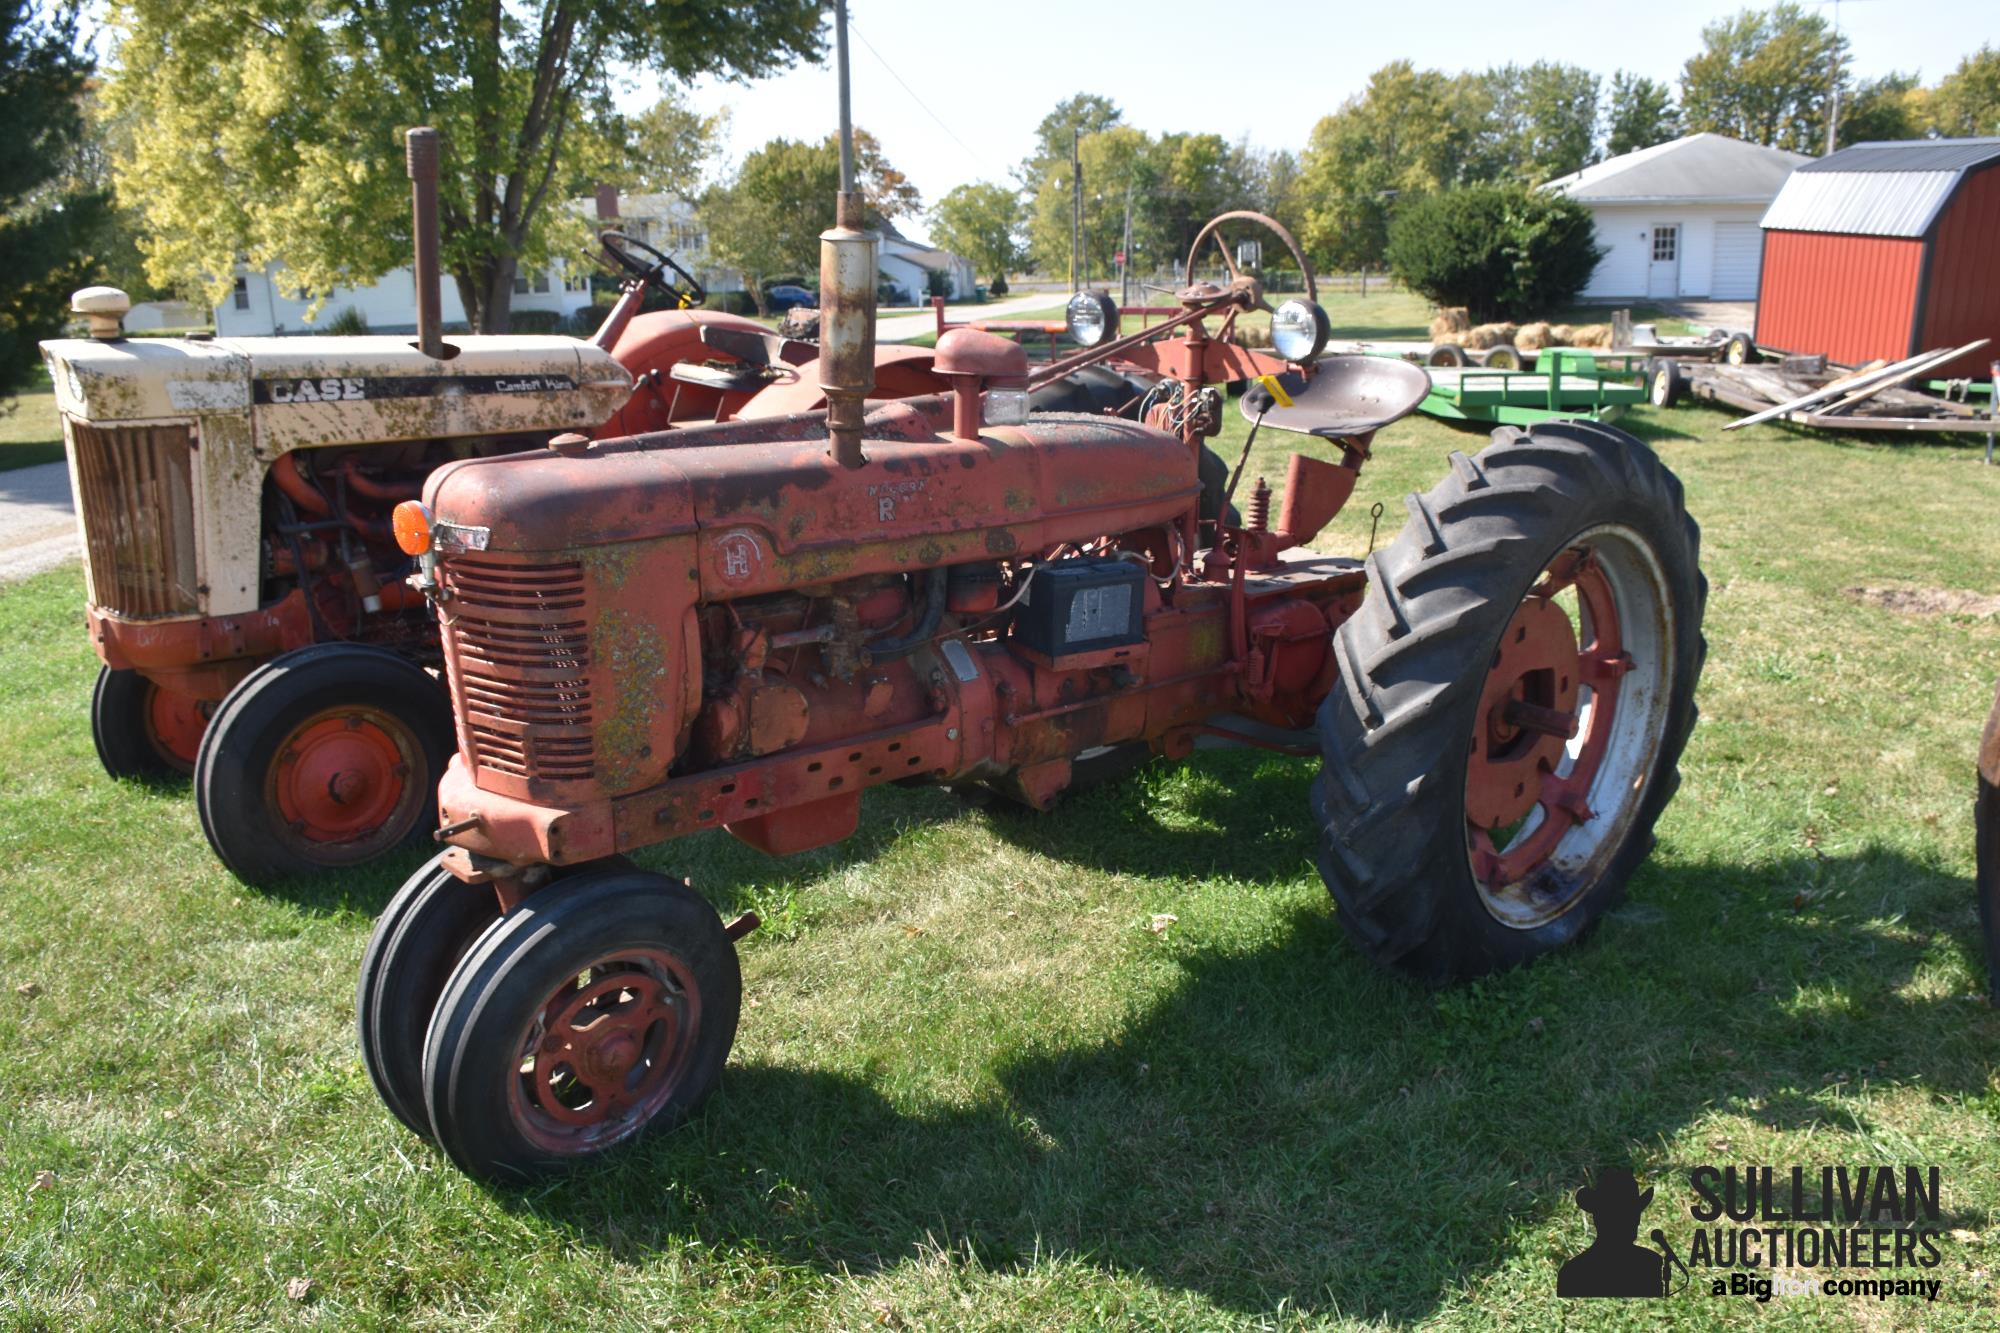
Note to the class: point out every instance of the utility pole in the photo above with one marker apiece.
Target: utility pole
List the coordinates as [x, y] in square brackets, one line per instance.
[1125, 253]
[1833, 117]
[1075, 211]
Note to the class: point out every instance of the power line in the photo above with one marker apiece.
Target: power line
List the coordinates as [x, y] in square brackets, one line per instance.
[977, 160]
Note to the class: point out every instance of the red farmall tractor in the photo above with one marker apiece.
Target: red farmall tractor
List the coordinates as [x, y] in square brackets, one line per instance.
[244, 589]
[746, 625]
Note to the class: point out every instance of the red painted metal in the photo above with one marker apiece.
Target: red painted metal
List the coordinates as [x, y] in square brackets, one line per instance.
[1961, 295]
[649, 347]
[1531, 714]
[340, 776]
[604, 1057]
[174, 725]
[1852, 298]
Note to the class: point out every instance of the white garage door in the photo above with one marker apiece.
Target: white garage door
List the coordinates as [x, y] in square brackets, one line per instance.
[1739, 250]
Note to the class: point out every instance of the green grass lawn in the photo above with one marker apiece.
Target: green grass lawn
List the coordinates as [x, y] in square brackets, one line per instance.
[974, 1090]
[30, 430]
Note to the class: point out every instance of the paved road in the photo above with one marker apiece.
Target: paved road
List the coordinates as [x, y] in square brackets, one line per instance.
[898, 328]
[37, 523]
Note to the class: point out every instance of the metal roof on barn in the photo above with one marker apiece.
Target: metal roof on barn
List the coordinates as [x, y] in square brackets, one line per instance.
[1878, 189]
[1694, 169]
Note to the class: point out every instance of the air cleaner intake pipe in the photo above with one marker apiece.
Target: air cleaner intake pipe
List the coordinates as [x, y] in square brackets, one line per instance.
[421, 146]
[847, 274]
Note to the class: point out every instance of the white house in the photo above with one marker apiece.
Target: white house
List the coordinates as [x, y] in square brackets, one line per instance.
[908, 264]
[265, 302]
[1680, 219]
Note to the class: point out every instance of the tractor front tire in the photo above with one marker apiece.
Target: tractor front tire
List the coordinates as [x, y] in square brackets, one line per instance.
[323, 758]
[141, 731]
[427, 928]
[585, 1018]
[1515, 692]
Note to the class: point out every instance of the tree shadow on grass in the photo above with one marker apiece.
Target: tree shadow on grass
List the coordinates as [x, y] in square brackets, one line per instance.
[1291, 1125]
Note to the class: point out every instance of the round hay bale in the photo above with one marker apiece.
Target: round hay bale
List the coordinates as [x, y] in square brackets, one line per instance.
[1561, 335]
[1533, 337]
[1449, 320]
[1592, 335]
[1491, 335]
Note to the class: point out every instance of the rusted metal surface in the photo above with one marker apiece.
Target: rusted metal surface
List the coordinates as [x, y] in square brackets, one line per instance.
[1986, 833]
[421, 147]
[136, 505]
[847, 277]
[1528, 720]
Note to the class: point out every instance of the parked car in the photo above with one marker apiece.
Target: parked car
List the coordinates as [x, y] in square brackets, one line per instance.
[784, 296]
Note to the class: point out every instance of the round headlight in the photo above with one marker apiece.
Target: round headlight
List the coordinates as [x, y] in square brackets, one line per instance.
[1091, 318]
[1299, 331]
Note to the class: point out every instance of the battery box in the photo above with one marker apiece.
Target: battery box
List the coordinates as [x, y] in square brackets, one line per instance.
[1082, 606]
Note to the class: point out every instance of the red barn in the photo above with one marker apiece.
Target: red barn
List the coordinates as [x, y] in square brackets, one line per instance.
[1885, 250]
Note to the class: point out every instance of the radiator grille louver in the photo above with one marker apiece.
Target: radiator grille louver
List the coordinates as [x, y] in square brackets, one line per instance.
[519, 636]
[135, 494]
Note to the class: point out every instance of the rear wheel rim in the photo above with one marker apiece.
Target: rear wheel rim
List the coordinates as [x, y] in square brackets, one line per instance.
[344, 785]
[1545, 812]
[605, 1052]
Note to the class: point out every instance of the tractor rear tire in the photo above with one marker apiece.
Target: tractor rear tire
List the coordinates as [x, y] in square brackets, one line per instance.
[1986, 839]
[1461, 832]
[141, 731]
[584, 1019]
[321, 759]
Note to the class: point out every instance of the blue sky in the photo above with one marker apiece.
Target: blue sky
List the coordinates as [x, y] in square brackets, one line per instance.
[988, 72]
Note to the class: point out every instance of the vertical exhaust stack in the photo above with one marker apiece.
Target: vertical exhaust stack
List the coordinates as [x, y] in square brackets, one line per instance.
[847, 274]
[422, 148]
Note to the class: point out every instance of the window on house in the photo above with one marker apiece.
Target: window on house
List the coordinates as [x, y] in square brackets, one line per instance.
[542, 280]
[1666, 244]
[520, 284]
[241, 296]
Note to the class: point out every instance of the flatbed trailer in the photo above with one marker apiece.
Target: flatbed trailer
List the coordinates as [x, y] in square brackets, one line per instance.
[1567, 384]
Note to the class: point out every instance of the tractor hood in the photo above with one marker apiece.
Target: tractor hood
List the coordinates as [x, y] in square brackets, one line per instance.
[774, 510]
[341, 390]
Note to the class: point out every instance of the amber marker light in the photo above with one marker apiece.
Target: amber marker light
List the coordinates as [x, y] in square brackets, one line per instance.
[412, 522]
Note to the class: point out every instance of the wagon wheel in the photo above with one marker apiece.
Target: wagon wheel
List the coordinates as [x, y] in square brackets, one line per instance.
[1246, 218]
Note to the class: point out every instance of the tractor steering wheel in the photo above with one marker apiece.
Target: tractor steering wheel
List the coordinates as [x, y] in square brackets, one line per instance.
[630, 253]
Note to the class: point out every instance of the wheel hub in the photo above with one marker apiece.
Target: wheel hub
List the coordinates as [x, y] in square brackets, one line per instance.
[1539, 740]
[1527, 711]
[340, 777]
[609, 1053]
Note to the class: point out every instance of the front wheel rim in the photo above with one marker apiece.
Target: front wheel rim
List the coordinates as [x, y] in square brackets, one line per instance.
[605, 1052]
[344, 785]
[1569, 729]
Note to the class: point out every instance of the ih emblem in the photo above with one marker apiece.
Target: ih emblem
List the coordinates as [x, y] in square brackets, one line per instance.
[738, 557]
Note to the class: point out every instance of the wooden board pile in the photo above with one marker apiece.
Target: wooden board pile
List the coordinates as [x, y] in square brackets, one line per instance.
[1801, 390]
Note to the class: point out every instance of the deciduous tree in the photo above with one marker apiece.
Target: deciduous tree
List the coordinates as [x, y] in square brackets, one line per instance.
[1765, 77]
[1891, 107]
[1408, 134]
[1640, 112]
[273, 126]
[982, 222]
[766, 219]
[1540, 122]
[1966, 102]
[47, 231]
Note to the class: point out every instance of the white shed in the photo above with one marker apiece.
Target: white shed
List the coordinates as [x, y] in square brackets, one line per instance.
[1680, 219]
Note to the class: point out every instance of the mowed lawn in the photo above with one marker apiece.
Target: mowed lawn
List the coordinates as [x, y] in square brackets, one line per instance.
[975, 1089]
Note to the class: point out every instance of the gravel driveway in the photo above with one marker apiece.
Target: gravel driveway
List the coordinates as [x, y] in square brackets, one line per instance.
[37, 520]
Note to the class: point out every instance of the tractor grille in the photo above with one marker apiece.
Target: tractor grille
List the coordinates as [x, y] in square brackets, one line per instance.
[134, 492]
[519, 636]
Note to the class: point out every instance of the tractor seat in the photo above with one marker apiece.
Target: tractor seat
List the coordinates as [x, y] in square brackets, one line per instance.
[736, 378]
[1347, 396]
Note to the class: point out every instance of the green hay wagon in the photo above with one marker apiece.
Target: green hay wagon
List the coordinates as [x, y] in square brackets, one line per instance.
[1567, 383]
